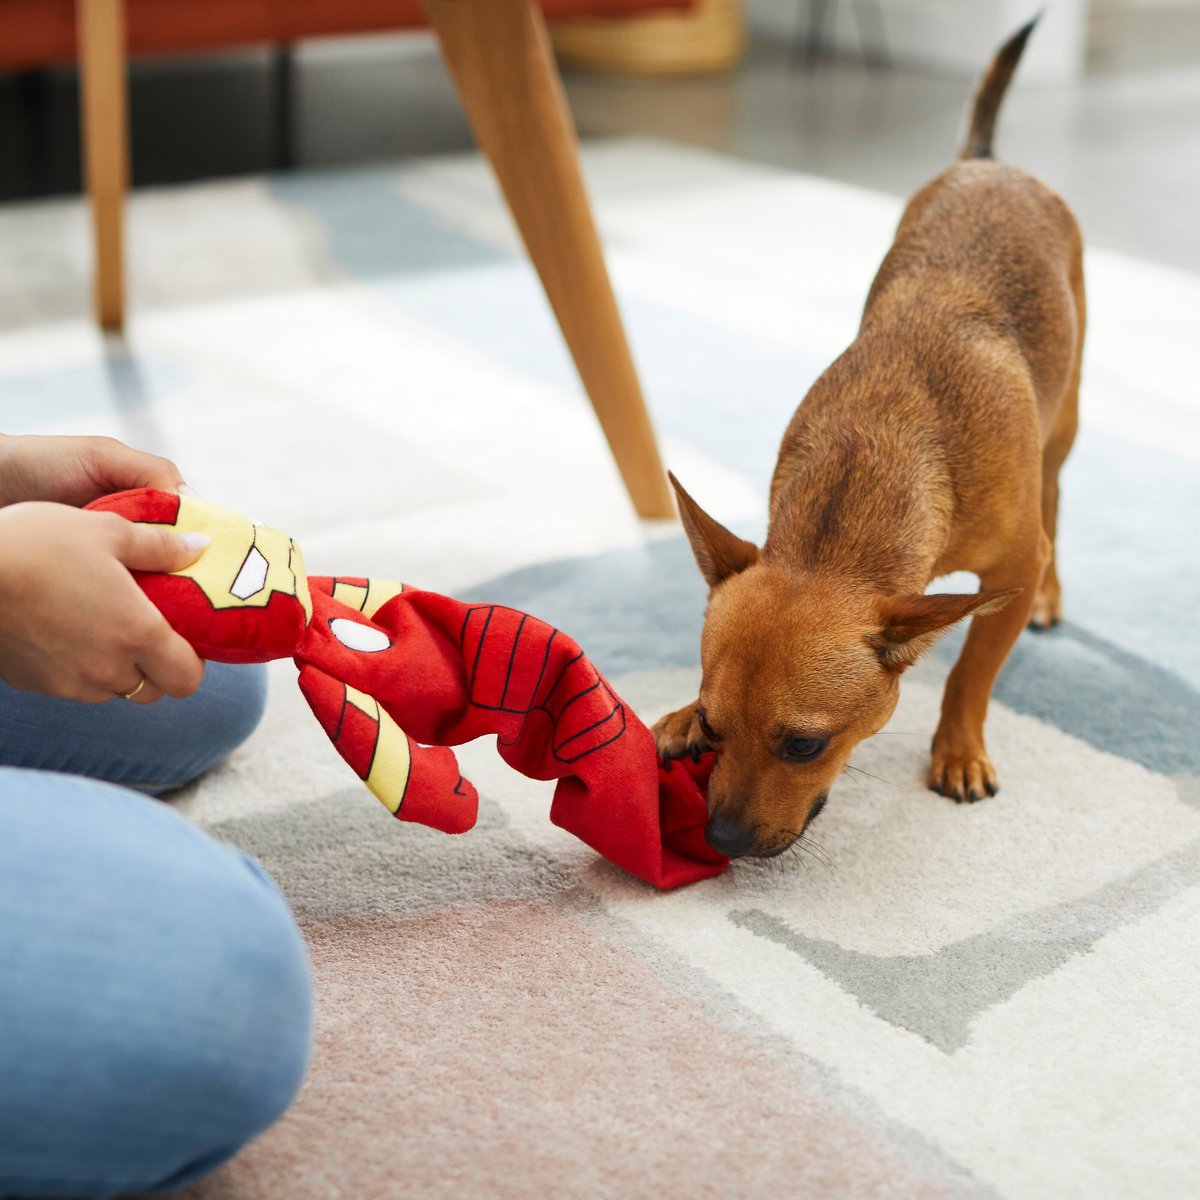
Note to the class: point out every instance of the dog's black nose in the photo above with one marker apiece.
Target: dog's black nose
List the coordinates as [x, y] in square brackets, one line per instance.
[728, 837]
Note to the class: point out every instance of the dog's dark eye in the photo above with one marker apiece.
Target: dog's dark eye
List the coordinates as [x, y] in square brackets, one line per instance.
[801, 749]
[705, 727]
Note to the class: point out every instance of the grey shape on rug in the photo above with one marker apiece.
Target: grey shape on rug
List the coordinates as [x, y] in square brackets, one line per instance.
[937, 996]
[342, 855]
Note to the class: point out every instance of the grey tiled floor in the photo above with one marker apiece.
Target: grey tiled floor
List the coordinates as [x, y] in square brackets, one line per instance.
[1123, 146]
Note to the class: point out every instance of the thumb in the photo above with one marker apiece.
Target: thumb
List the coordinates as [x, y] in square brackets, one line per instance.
[153, 548]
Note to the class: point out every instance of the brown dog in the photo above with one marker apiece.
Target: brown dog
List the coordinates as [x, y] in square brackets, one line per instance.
[933, 444]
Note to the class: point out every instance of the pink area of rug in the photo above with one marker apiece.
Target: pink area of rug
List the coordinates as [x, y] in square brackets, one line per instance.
[506, 1051]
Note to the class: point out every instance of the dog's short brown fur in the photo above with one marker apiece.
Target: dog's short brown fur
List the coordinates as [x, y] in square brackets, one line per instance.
[933, 444]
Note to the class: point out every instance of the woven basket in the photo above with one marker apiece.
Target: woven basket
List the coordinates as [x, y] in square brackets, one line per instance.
[710, 37]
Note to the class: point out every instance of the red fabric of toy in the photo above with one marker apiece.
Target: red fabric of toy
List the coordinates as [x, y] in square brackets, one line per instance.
[396, 675]
[468, 670]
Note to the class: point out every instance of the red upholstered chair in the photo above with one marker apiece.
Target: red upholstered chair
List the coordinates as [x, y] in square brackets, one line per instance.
[498, 55]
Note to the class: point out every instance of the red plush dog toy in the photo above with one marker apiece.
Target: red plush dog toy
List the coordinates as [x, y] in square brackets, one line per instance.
[386, 668]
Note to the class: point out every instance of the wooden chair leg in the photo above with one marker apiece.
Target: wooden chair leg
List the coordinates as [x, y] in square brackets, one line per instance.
[499, 57]
[104, 114]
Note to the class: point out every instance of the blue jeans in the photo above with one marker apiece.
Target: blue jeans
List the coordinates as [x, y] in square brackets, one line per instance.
[155, 995]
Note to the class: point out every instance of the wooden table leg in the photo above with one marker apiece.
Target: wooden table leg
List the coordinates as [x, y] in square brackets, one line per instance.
[499, 57]
[104, 115]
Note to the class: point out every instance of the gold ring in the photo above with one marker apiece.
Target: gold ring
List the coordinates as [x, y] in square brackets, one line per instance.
[130, 695]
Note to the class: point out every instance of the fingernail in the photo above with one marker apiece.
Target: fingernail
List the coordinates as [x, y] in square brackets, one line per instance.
[193, 543]
[187, 490]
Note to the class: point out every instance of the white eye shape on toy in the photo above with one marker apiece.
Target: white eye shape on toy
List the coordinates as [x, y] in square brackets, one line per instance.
[252, 577]
[354, 636]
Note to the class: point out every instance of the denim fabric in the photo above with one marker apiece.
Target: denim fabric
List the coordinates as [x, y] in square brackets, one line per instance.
[155, 1000]
[151, 747]
[155, 996]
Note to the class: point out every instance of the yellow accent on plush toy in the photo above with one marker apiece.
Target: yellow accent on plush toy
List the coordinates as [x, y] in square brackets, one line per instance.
[379, 592]
[392, 764]
[368, 596]
[352, 595]
[392, 767]
[246, 562]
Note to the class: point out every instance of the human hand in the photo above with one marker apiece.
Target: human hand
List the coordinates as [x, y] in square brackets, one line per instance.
[73, 622]
[77, 470]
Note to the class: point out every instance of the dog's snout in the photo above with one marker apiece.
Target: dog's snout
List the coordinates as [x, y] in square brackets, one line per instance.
[727, 836]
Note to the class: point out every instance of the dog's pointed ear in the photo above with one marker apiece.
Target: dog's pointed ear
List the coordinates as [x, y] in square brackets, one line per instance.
[910, 624]
[718, 552]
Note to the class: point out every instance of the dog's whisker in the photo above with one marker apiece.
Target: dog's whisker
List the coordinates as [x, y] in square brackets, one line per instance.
[810, 846]
[858, 783]
[805, 841]
[815, 848]
[800, 859]
[852, 767]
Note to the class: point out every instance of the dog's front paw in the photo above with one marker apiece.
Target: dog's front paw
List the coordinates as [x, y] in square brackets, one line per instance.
[964, 775]
[679, 733]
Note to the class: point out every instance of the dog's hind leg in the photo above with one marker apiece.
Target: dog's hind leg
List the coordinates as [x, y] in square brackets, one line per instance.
[1047, 604]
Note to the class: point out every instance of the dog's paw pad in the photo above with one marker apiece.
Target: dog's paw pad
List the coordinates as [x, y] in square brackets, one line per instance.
[965, 777]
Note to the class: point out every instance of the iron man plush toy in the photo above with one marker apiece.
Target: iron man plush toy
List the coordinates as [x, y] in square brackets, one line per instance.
[396, 675]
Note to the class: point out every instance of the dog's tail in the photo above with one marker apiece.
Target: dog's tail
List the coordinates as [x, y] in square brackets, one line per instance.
[985, 103]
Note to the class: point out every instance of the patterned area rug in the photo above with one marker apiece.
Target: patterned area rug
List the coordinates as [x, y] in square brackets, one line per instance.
[988, 1001]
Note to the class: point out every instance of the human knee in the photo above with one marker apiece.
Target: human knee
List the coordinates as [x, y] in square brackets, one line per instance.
[159, 1021]
[247, 1007]
[255, 1009]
